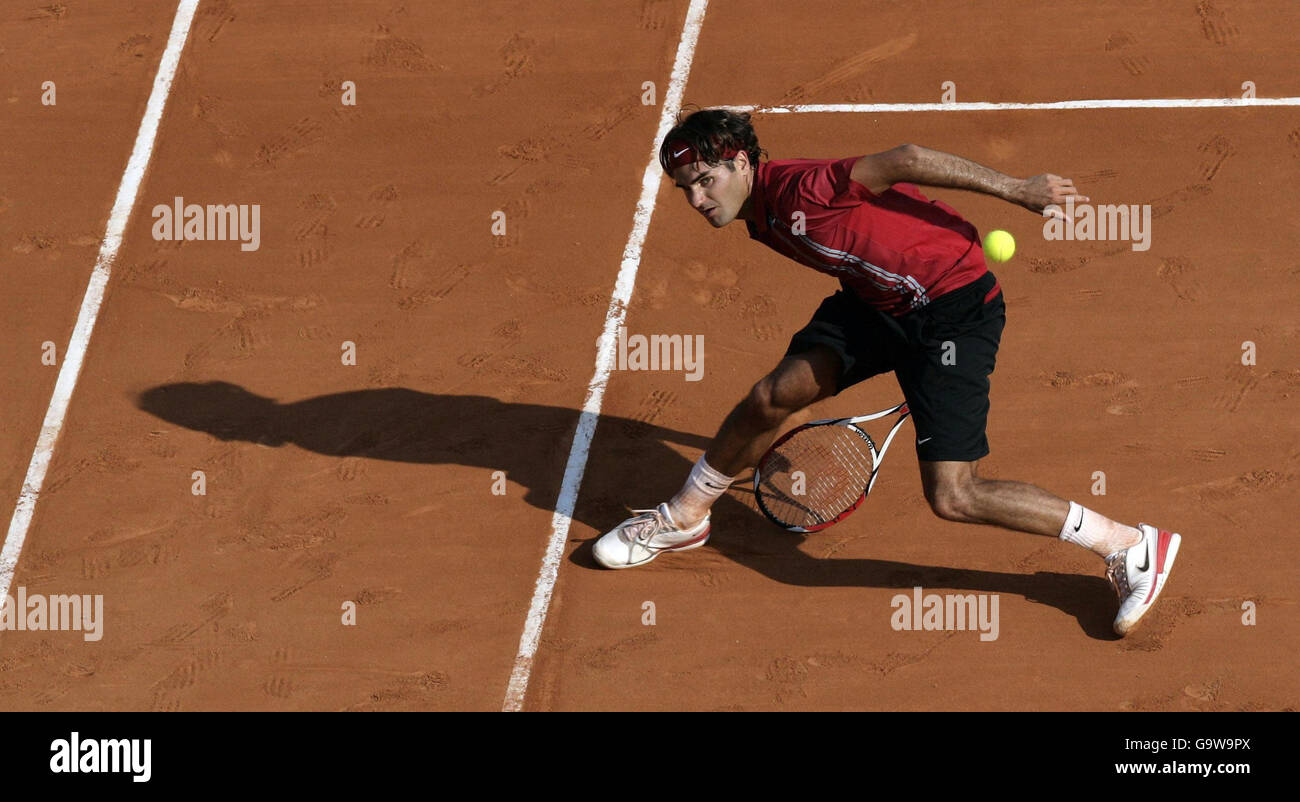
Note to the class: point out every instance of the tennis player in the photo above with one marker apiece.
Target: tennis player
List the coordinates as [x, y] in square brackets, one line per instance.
[914, 286]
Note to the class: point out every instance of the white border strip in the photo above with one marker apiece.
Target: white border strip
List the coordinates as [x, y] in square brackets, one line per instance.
[614, 317]
[1136, 103]
[127, 191]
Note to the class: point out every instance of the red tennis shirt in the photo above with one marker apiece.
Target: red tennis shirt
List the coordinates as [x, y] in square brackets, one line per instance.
[897, 251]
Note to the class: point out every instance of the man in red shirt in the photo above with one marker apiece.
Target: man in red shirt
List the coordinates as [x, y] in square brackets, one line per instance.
[914, 285]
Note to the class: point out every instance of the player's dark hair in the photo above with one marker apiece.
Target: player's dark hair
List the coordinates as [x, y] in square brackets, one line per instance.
[712, 132]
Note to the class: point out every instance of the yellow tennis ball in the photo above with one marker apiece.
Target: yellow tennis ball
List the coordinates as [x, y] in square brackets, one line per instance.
[999, 245]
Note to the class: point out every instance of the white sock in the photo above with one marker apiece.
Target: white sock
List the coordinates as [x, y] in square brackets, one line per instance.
[1097, 533]
[702, 488]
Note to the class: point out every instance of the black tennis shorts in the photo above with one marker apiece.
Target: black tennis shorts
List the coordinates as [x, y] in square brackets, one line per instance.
[942, 355]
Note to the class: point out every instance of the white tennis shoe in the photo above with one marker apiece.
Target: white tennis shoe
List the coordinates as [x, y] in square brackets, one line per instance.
[646, 535]
[1139, 573]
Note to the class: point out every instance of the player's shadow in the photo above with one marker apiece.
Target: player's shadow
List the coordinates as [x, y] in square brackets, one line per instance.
[631, 462]
[783, 556]
[530, 442]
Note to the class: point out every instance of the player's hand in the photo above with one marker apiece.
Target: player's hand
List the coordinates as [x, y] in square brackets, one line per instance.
[1041, 191]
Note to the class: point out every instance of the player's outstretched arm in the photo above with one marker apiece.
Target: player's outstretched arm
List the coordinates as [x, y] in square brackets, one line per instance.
[913, 164]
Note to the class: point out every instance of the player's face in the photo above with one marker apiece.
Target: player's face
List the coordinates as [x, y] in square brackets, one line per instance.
[717, 192]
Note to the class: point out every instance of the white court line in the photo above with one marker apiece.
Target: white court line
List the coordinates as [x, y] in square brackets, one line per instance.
[1137, 103]
[127, 191]
[614, 317]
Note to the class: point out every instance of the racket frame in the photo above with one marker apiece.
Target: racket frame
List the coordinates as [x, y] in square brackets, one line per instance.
[877, 456]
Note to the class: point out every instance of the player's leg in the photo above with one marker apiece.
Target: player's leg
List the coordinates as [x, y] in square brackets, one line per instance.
[957, 493]
[799, 381]
[823, 358]
[1138, 560]
[953, 345]
[953, 348]
[683, 523]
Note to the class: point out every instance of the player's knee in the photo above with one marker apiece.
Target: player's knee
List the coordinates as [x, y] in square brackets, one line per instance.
[773, 399]
[762, 410]
[952, 501]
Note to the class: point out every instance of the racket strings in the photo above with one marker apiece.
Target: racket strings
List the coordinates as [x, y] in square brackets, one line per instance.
[834, 468]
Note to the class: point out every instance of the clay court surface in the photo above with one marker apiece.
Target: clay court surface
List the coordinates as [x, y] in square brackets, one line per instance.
[372, 483]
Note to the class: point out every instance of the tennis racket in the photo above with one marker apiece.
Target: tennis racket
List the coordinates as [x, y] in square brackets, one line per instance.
[815, 475]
